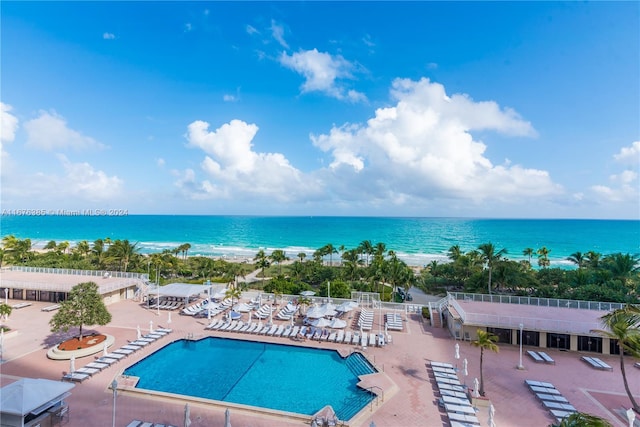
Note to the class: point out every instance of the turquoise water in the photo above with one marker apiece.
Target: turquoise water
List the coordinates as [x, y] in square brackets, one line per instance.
[274, 376]
[417, 240]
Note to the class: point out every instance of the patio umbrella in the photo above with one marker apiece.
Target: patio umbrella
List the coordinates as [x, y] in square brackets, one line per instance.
[104, 349]
[457, 353]
[321, 322]
[169, 319]
[464, 367]
[337, 323]
[492, 412]
[150, 326]
[307, 293]
[138, 331]
[227, 418]
[72, 368]
[631, 416]
[315, 312]
[347, 306]
[187, 413]
[235, 315]
[476, 387]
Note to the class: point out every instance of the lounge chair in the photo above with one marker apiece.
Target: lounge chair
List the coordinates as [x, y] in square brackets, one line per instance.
[340, 336]
[372, 340]
[98, 365]
[286, 331]
[294, 332]
[356, 338]
[332, 337]
[364, 339]
[75, 377]
[265, 329]
[534, 355]
[88, 371]
[311, 332]
[546, 358]
[596, 363]
[347, 337]
[637, 365]
[279, 331]
[134, 423]
[124, 351]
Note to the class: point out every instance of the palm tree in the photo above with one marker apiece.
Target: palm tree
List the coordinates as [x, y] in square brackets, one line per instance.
[98, 252]
[543, 257]
[490, 257]
[581, 419]
[486, 340]
[124, 252]
[593, 259]
[578, 259]
[329, 249]
[278, 256]
[234, 293]
[454, 252]
[5, 311]
[261, 262]
[302, 256]
[82, 248]
[366, 248]
[622, 265]
[51, 245]
[528, 252]
[623, 325]
[434, 270]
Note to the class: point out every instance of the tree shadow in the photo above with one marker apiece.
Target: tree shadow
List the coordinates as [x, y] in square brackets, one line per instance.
[56, 338]
[412, 372]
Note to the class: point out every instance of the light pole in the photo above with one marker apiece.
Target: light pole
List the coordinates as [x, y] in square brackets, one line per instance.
[520, 362]
[114, 386]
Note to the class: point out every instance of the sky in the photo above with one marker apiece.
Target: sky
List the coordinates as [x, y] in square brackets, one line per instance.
[433, 109]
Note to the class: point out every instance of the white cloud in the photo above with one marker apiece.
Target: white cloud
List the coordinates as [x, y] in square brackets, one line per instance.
[422, 149]
[629, 155]
[108, 36]
[8, 123]
[188, 27]
[251, 30]
[50, 132]
[228, 98]
[160, 162]
[233, 168]
[322, 72]
[277, 32]
[76, 183]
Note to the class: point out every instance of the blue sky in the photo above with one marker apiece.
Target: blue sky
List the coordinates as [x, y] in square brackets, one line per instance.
[357, 108]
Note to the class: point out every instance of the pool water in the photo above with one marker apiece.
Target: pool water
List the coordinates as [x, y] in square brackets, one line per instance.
[273, 376]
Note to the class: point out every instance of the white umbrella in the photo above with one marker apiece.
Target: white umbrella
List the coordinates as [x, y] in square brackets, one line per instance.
[337, 323]
[315, 312]
[307, 293]
[631, 416]
[457, 353]
[169, 319]
[314, 423]
[187, 412]
[321, 322]
[492, 412]
[72, 368]
[464, 367]
[227, 418]
[250, 315]
[150, 326]
[104, 349]
[347, 306]
[1, 343]
[476, 387]
[138, 331]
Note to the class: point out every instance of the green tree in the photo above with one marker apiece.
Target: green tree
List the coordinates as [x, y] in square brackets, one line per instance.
[543, 257]
[123, 251]
[51, 245]
[581, 419]
[278, 256]
[234, 293]
[490, 256]
[454, 252]
[622, 266]
[262, 262]
[366, 248]
[623, 325]
[5, 311]
[302, 256]
[83, 307]
[593, 259]
[528, 252]
[329, 249]
[486, 341]
[578, 259]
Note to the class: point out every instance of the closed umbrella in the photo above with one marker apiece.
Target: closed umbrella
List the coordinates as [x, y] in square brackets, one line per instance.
[457, 351]
[104, 349]
[476, 387]
[631, 416]
[150, 326]
[187, 413]
[465, 372]
[139, 334]
[72, 367]
[227, 418]
[307, 293]
[169, 319]
[492, 412]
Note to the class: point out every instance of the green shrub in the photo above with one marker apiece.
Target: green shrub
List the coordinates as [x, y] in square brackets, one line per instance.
[426, 313]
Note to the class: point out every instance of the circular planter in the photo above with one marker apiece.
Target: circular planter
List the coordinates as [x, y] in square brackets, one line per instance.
[56, 353]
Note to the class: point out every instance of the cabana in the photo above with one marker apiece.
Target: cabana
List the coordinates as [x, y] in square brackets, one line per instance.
[180, 291]
[31, 401]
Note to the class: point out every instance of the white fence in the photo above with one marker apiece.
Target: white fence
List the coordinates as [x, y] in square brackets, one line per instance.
[72, 272]
[541, 302]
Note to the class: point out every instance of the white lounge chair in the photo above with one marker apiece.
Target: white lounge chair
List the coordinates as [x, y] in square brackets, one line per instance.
[340, 336]
[347, 337]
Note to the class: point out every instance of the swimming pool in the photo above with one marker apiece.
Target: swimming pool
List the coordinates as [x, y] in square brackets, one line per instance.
[274, 376]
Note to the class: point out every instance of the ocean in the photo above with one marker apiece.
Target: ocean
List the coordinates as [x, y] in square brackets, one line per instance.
[415, 240]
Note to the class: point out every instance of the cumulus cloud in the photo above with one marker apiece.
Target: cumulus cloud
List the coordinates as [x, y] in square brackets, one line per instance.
[82, 180]
[8, 123]
[322, 73]
[629, 155]
[277, 32]
[234, 168]
[624, 186]
[108, 36]
[250, 29]
[49, 131]
[422, 148]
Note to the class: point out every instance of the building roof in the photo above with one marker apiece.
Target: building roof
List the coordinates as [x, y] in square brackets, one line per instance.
[178, 290]
[30, 395]
[63, 280]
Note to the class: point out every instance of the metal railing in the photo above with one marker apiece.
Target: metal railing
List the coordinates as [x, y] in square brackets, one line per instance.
[73, 272]
[540, 302]
[62, 287]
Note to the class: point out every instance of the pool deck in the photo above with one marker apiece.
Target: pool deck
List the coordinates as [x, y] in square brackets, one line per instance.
[410, 399]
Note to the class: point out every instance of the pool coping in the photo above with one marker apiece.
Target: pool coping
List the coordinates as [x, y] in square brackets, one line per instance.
[127, 385]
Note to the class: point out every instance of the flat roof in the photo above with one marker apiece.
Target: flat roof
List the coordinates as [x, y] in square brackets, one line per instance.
[56, 282]
[534, 318]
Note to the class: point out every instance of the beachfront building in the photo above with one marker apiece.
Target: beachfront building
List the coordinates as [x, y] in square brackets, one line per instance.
[31, 402]
[541, 323]
[54, 284]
